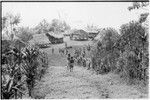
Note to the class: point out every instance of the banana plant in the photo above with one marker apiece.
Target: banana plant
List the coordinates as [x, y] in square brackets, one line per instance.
[12, 87]
[30, 67]
[43, 59]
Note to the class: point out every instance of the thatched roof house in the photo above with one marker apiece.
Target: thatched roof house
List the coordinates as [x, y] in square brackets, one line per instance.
[40, 39]
[79, 35]
[107, 34]
[100, 35]
[55, 38]
[92, 33]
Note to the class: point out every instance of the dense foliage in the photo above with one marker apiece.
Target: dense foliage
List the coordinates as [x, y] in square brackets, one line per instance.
[56, 26]
[126, 53]
[105, 56]
[21, 69]
[133, 45]
[24, 34]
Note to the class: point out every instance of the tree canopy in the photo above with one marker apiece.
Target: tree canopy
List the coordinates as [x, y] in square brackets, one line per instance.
[56, 26]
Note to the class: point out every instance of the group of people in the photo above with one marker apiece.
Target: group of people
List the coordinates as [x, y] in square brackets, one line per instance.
[83, 61]
[79, 57]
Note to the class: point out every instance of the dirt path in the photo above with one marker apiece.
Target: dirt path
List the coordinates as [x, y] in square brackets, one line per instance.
[58, 83]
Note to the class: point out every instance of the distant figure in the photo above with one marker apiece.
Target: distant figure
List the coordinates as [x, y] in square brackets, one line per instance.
[66, 51]
[83, 53]
[63, 51]
[84, 62]
[52, 50]
[59, 50]
[68, 61]
[79, 61]
[71, 64]
[66, 44]
[88, 48]
[88, 63]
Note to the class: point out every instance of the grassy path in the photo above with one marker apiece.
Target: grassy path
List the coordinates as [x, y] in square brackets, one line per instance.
[59, 83]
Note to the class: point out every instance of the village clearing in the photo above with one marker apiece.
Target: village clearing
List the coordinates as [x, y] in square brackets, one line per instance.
[59, 83]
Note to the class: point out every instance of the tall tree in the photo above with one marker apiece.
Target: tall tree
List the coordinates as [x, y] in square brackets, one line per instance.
[42, 27]
[9, 23]
[59, 26]
[140, 5]
[24, 33]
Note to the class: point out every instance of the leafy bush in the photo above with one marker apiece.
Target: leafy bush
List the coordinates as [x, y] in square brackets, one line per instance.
[104, 54]
[12, 89]
[126, 53]
[133, 44]
[30, 58]
[36, 63]
[25, 34]
[43, 61]
[13, 85]
[23, 67]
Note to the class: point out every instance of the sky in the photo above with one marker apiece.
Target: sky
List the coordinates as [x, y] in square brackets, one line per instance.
[76, 14]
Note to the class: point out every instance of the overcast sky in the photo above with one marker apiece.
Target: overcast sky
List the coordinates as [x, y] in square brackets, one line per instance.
[76, 14]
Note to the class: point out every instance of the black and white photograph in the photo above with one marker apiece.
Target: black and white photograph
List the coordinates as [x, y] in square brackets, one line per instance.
[75, 49]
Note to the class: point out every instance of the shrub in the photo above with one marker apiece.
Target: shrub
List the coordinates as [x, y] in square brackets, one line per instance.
[133, 45]
[104, 54]
[43, 64]
[22, 66]
[31, 53]
[25, 34]
[13, 85]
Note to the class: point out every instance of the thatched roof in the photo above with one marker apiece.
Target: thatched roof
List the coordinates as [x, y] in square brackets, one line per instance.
[40, 38]
[55, 35]
[100, 35]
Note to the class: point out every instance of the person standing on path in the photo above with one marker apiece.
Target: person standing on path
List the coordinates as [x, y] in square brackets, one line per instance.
[71, 64]
[88, 63]
[66, 51]
[52, 50]
[68, 61]
[65, 44]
